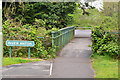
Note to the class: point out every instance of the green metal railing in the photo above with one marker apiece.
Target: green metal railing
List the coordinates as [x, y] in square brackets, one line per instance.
[62, 37]
[83, 27]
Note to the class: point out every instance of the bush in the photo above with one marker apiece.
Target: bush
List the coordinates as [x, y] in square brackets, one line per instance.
[14, 31]
[104, 43]
[104, 37]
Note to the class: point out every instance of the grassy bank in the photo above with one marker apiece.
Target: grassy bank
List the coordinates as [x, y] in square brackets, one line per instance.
[105, 67]
[10, 61]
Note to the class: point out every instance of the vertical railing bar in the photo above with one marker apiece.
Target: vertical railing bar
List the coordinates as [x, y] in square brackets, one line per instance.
[59, 40]
[53, 39]
[62, 37]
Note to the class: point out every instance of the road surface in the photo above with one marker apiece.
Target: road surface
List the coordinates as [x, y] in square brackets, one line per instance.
[39, 69]
[74, 59]
[73, 62]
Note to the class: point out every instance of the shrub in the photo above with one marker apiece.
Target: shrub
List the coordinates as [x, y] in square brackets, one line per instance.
[28, 32]
[104, 43]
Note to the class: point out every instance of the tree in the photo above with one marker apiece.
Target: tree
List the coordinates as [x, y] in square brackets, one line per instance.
[47, 15]
[87, 4]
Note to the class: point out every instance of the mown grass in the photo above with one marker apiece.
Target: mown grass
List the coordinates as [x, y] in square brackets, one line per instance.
[105, 67]
[10, 61]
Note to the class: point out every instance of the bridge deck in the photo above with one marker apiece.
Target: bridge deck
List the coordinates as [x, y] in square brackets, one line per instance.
[73, 60]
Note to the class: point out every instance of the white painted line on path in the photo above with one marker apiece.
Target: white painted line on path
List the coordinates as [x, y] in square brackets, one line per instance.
[51, 67]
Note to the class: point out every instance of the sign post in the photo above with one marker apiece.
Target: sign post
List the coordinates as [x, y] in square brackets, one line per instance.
[10, 51]
[19, 43]
[29, 52]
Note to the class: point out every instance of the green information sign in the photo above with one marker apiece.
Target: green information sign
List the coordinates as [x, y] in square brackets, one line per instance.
[19, 43]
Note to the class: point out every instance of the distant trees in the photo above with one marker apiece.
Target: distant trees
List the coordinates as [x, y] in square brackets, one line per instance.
[41, 14]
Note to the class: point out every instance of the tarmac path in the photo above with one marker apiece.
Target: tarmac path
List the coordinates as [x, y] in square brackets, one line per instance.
[73, 62]
[40, 69]
[74, 59]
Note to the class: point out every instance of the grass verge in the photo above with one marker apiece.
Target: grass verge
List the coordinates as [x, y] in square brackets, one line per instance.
[10, 61]
[105, 67]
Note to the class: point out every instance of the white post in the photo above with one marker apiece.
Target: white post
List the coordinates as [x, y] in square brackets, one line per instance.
[1, 40]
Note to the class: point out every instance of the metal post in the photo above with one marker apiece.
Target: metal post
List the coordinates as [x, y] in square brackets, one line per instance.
[73, 33]
[52, 39]
[10, 53]
[28, 52]
[59, 41]
[63, 38]
[69, 35]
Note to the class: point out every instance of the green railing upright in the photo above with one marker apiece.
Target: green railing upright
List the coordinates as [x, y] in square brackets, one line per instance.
[62, 37]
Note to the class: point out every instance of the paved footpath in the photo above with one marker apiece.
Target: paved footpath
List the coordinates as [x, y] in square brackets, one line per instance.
[73, 62]
[39, 69]
[74, 59]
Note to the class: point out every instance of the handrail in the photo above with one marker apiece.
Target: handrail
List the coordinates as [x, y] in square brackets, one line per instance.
[83, 27]
[62, 37]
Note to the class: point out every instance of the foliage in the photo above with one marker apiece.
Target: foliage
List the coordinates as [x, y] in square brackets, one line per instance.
[105, 35]
[94, 18]
[48, 15]
[110, 8]
[28, 32]
[103, 39]
[34, 21]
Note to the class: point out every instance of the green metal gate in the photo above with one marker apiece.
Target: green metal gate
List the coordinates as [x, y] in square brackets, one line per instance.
[62, 37]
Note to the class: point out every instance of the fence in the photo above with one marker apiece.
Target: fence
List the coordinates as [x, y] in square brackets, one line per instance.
[62, 37]
[84, 28]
